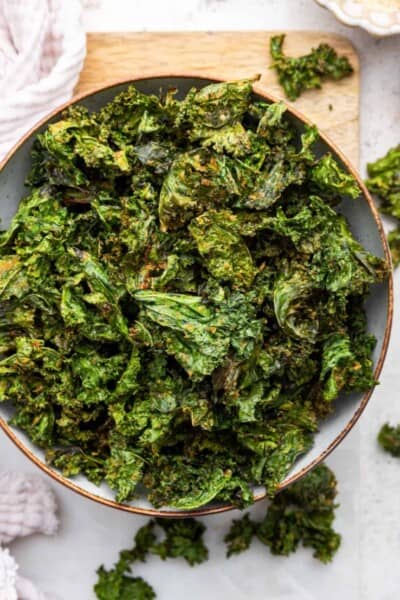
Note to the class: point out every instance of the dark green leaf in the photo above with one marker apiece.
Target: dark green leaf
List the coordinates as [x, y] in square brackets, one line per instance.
[307, 72]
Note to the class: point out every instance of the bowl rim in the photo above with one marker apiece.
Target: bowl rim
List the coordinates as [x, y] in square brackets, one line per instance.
[220, 508]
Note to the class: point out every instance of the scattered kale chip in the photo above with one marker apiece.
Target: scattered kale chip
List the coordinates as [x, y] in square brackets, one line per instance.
[181, 303]
[116, 585]
[389, 439]
[394, 245]
[384, 182]
[307, 72]
[183, 538]
[240, 535]
[303, 513]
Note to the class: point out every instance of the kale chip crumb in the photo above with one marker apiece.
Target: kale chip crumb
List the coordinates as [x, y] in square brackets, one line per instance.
[384, 182]
[166, 538]
[303, 513]
[307, 72]
[389, 439]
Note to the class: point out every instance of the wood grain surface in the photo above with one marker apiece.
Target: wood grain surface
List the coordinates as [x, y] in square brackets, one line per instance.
[229, 55]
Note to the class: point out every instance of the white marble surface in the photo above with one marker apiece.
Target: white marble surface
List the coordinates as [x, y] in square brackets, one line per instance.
[366, 567]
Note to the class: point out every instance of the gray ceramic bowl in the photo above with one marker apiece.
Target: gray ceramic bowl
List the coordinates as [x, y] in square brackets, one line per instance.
[365, 224]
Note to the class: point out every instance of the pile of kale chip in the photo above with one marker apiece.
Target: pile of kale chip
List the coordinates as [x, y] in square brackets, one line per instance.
[180, 302]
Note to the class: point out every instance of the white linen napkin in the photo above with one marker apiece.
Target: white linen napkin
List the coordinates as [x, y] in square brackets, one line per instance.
[42, 49]
[27, 505]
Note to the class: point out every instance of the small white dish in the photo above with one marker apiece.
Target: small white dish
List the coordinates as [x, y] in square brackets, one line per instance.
[379, 17]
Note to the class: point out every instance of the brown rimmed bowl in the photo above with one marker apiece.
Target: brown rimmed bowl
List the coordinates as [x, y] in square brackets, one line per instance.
[365, 224]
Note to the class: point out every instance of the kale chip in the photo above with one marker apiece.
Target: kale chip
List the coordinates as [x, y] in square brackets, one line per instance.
[181, 303]
[384, 182]
[115, 585]
[240, 535]
[303, 513]
[389, 439]
[183, 538]
[307, 72]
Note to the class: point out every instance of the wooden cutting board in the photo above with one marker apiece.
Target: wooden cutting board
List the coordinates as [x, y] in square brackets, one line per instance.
[229, 55]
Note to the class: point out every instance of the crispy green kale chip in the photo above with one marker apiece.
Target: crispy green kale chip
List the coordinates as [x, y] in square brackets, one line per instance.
[181, 304]
[307, 72]
[394, 244]
[240, 535]
[389, 439]
[116, 585]
[166, 538]
[183, 539]
[384, 182]
[303, 513]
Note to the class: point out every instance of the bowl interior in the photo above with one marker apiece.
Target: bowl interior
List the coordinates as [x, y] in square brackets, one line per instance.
[363, 224]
